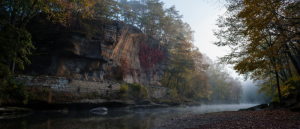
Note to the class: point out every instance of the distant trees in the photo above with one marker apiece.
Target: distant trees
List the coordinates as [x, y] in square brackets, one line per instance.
[263, 36]
[225, 89]
[157, 22]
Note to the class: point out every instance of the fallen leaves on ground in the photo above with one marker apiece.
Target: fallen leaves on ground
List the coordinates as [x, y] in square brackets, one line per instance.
[275, 119]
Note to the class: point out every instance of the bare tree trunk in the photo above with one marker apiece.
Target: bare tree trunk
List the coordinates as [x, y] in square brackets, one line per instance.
[13, 65]
[169, 79]
[273, 61]
[278, 87]
[289, 69]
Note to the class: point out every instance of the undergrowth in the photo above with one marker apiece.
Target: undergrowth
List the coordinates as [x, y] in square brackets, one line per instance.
[123, 92]
[12, 91]
[138, 91]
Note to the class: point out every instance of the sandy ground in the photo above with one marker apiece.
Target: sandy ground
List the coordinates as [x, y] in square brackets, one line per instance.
[261, 119]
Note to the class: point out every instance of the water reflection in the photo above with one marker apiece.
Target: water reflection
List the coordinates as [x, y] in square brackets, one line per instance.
[100, 113]
[112, 119]
[13, 115]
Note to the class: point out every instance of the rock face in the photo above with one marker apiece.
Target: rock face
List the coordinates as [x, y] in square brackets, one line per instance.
[70, 54]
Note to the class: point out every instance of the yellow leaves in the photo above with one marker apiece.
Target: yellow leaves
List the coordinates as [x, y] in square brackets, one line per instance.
[285, 90]
[291, 83]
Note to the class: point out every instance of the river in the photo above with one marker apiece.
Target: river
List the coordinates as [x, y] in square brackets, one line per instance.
[112, 119]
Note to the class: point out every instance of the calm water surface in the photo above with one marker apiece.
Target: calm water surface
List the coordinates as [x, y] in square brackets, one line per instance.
[112, 119]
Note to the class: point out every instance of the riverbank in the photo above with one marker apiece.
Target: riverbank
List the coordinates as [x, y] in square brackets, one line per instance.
[266, 118]
[88, 104]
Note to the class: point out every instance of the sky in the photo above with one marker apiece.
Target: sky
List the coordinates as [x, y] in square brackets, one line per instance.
[202, 16]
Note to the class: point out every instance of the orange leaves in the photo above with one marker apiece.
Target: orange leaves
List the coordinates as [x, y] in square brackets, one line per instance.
[68, 5]
[262, 29]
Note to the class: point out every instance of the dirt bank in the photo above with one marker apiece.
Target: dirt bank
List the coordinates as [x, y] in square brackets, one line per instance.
[275, 119]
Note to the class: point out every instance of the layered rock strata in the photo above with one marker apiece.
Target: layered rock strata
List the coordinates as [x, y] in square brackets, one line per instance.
[75, 55]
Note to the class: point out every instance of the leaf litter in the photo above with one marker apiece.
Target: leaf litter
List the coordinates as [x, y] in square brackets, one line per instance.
[266, 119]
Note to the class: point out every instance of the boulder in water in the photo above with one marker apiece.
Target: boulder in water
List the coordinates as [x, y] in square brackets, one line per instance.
[99, 109]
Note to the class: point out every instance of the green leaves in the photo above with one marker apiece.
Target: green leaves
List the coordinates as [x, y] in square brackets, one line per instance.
[17, 50]
[187, 68]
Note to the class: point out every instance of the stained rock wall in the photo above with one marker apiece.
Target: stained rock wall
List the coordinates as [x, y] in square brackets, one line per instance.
[92, 61]
[78, 86]
[71, 54]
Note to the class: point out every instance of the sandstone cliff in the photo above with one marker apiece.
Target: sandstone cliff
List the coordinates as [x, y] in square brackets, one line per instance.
[65, 53]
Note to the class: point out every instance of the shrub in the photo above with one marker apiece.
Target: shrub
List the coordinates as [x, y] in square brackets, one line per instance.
[291, 86]
[123, 91]
[139, 91]
[12, 91]
[63, 97]
[4, 73]
[94, 95]
[40, 94]
[173, 93]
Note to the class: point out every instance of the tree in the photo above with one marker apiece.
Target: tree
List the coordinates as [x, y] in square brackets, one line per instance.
[186, 70]
[15, 14]
[261, 35]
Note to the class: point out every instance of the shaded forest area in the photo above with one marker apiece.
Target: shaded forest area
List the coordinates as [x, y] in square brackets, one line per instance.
[191, 74]
[264, 39]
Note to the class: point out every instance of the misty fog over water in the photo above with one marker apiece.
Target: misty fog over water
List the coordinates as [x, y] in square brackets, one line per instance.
[250, 94]
[112, 119]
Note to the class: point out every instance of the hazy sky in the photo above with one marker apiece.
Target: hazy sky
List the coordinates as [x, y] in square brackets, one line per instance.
[202, 16]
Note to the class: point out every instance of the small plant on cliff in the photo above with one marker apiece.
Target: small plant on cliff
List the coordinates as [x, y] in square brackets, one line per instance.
[123, 92]
[139, 91]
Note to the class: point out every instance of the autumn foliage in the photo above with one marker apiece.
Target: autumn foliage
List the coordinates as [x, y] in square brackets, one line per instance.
[149, 56]
[264, 39]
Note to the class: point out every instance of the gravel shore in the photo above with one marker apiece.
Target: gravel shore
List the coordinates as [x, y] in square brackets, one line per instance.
[270, 119]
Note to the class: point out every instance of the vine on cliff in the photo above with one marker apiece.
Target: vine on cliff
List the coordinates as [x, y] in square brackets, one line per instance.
[150, 56]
